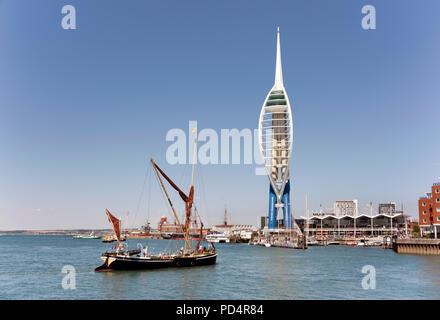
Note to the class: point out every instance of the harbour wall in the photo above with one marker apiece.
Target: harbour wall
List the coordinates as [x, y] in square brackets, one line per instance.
[417, 246]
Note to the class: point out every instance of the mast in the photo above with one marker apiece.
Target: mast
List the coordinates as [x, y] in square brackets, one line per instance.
[307, 213]
[194, 130]
[188, 213]
[226, 217]
[126, 223]
[185, 234]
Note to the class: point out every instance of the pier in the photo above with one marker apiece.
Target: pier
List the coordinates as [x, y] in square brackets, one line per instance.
[417, 246]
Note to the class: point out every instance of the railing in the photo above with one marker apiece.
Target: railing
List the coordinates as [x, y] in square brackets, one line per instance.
[350, 229]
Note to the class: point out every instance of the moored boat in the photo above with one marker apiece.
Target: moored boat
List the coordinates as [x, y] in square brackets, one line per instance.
[90, 236]
[124, 259]
[138, 260]
[110, 238]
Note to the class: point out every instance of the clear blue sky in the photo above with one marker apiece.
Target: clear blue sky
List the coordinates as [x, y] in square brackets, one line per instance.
[81, 110]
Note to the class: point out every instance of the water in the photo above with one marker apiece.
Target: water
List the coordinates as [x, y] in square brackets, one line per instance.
[30, 268]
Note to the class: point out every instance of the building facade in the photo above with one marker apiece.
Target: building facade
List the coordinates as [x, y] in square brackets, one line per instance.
[346, 221]
[346, 208]
[387, 208]
[349, 226]
[429, 211]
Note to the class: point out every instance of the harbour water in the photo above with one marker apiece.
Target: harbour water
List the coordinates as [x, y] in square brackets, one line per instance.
[30, 268]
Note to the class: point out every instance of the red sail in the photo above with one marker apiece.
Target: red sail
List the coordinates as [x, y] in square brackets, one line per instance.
[182, 195]
[188, 199]
[188, 205]
[116, 223]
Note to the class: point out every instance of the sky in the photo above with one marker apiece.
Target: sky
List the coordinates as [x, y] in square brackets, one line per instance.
[82, 111]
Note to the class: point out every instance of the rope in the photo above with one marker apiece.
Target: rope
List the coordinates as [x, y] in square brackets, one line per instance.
[148, 204]
[147, 172]
[202, 194]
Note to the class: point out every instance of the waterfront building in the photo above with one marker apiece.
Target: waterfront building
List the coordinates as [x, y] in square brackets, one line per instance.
[353, 224]
[233, 231]
[166, 227]
[429, 211]
[264, 222]
[275, 135]
[345, 208]
[243, 231]
[387, 208]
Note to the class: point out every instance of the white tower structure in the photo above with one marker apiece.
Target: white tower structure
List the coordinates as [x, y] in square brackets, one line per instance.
[275, 132]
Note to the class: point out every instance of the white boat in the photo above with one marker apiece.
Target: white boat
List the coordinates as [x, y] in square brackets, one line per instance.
[217, 237]
[367, 243]
[90, 236]
[267, 245]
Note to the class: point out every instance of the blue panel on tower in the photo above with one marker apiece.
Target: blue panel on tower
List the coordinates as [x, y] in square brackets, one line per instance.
[272, 209]
[286, 209]
[287, 217]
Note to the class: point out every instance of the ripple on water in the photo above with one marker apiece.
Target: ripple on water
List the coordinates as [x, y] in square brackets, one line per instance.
[30, 268]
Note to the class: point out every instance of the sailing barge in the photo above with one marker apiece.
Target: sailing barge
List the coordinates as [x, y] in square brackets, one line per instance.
[140, 258]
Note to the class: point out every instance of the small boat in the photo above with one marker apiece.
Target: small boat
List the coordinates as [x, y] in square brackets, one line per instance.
[108, 238]
[90, 236]
[121, 259]
[332, 243]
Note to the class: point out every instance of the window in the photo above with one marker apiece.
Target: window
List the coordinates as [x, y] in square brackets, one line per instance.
[437, 190]
[437, 200]
[424, 211]
[437, 209]
[438, 218]
[424, 204]
[424, 220]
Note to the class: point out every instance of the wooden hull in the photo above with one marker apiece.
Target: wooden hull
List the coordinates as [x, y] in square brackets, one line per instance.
[113, 262]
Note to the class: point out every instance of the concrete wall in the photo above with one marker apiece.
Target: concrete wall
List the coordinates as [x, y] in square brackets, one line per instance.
[418, 246]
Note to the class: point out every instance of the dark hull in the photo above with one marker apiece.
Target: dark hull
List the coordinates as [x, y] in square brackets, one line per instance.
[109, 241]
[178, 236]
[136, 263]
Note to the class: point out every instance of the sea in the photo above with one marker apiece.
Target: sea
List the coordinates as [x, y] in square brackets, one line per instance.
[60, 267]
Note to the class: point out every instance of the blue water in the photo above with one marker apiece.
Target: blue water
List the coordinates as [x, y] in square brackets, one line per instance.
[30, 268]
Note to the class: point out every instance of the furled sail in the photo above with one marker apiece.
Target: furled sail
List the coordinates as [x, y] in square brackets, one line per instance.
[188, 199]
[116, 223]
[200, 235]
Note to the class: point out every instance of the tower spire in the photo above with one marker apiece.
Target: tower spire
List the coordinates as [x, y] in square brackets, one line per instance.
[278, 67]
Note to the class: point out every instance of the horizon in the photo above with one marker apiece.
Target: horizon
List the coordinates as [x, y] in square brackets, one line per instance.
[83, 110]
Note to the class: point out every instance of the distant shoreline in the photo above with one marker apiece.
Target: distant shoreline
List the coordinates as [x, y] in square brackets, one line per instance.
[52, 232]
